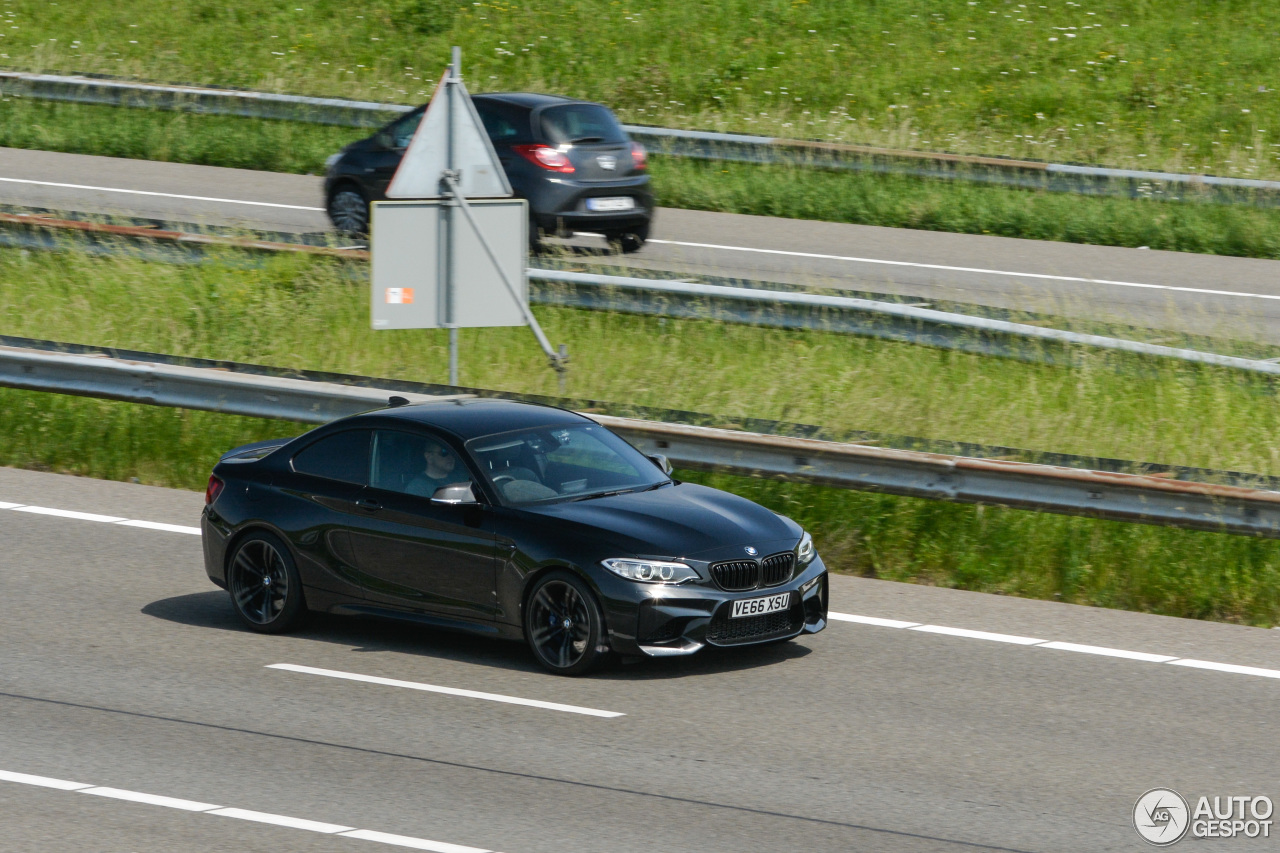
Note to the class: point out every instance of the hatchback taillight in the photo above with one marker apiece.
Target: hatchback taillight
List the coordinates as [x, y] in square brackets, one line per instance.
[212, 491]
[639, 157]
[545, 156]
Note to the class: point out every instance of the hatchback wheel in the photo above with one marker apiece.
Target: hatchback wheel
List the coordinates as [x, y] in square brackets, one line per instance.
[264, 585]
[630, 241]
[563, 625]
[349, 212]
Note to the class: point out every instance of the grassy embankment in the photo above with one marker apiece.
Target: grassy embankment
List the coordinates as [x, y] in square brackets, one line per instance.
[302, 313]
[1186, 86]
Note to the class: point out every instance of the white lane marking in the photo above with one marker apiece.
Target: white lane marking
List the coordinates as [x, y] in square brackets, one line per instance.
[283, 820]
[448, 691]
[871, 620]
[1147, 657]
[977, 635]
[161, 195]
[239, 814]
[1235, 669]
[406, 841]
[947, 268]
[41, 781]
[156, 525]
[66, 513]
[107, 519]
[150, 799]
[1111, 653]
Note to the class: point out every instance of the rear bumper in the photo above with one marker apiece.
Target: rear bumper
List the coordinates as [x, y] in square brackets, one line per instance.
[559, 205]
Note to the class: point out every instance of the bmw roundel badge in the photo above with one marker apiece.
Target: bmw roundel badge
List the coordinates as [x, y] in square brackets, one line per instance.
[751, 552]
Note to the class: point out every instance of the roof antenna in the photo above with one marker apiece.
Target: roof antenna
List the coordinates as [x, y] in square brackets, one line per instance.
[397, 401]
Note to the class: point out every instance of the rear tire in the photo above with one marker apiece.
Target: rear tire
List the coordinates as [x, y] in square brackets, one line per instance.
[263, 581]
[563, 625]
[349, 211]
[628, 242]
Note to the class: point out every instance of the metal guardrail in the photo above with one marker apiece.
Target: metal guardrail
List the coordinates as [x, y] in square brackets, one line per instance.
[696, 144]
[1046, 488]
[751, 306]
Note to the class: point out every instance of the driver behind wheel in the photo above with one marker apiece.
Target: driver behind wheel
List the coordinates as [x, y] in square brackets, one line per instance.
[439, 463]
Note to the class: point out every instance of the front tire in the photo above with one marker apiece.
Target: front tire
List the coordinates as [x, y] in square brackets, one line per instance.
[349, 211]
[563, 625]
[266, 591]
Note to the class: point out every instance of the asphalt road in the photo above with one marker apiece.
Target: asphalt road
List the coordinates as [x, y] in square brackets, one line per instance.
[122, 667]
[1232, 297]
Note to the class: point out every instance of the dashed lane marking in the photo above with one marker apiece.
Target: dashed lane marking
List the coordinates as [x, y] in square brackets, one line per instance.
[103, 519]
[448, 691]
[158, 194]
[287, 821]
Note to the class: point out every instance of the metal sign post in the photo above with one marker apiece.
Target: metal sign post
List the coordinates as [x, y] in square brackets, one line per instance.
[469, 271]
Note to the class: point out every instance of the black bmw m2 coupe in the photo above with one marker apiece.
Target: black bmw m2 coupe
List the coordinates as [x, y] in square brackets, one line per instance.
[504, 519]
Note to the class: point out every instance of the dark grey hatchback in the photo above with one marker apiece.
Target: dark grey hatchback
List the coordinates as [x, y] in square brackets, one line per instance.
[570, 159]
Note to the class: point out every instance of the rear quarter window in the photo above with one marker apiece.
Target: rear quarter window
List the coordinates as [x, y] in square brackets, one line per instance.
[343, 456]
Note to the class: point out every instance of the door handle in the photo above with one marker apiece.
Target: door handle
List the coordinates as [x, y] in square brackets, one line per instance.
[369, 504]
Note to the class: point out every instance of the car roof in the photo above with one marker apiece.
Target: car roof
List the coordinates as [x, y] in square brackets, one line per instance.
[528, 100]
[472, 418]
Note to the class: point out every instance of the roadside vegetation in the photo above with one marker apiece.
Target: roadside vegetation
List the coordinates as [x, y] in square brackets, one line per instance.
[303, 312]
[784, 191]
[1183, 85]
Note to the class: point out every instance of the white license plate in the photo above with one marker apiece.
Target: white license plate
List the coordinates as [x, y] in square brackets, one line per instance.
[760, 606]
[605, 204]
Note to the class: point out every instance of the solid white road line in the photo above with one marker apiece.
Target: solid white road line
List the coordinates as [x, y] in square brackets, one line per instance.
[150, 799]
[870, 620]
[1228, 667]
[41, 781]
[448, 691]
[977, 635]
[947, 268]
[106, 519]
[240, 814]
[158, 194]
[283, 820]
[1111, 653]
[66, 513]
[1147, 657]
[412, 843]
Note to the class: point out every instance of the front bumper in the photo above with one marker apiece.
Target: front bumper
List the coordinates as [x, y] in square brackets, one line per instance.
[677, 621]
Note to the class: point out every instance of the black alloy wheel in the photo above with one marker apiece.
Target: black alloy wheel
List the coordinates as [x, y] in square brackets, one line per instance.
[563, 625]
[349, 211]
[264, 585]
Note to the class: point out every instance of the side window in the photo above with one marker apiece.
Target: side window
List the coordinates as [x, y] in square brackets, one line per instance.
[414, 464]
[402, 131]
[499, 127]
[342, 456]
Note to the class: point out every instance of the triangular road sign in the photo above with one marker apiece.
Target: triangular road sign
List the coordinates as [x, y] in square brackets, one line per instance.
[428, 154]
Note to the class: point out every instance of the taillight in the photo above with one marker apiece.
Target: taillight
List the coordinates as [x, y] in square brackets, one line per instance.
[545, 156]
[639, 158]
[212, 491]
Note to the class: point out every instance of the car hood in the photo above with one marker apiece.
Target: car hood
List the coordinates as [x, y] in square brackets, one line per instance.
[684, 520]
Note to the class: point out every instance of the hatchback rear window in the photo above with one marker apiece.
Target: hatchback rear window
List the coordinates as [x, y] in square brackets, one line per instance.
[580, 123]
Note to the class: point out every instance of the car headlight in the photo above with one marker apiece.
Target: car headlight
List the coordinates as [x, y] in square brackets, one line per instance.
[650, 571]
[805, 551]
[331, 159]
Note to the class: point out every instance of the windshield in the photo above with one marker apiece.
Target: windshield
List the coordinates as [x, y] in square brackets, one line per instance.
[562, 463]
[580, 123]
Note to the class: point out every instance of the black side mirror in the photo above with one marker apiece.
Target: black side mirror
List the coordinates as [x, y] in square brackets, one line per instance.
[663, 463]
[455, 494]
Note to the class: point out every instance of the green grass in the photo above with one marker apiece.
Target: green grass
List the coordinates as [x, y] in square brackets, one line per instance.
[792, 192]
[1184, 85]
[302, 312]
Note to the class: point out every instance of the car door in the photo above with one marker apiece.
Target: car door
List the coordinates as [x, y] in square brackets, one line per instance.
[419, 555]
[328, 479]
